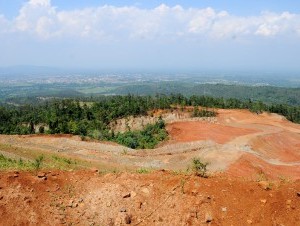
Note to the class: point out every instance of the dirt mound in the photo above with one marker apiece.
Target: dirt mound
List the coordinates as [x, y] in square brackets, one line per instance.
[159, 198]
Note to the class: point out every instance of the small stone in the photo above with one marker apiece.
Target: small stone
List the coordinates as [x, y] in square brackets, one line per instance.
[289, 202]
[70, 203]
[298, 194]
[123, 210]
[139, 205]
[126, 195]
[94, 170]
[132, 194]
[264, 185]
[1, 197]
[128, 219]
[41, 175]
[146, 190]
[208, 218]
[264, 201]
[194, 192]
[16, 175]
[80, 200]
[108, 204]
[74, 205]
[249, 221]
[224, 209]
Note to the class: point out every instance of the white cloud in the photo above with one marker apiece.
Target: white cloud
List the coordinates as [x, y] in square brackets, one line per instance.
[40, 18]
[40, 2]
[3, 23]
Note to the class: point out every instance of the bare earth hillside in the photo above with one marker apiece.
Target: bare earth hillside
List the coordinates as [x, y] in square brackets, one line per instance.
[254, 162]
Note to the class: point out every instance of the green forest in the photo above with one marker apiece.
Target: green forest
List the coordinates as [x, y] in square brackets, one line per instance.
[92, 117]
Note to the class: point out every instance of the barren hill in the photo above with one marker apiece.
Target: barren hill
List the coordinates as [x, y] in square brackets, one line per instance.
[254, 161]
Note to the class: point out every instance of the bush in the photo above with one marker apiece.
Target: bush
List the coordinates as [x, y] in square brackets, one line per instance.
[199, 167]
[149, 137]
[203, 113]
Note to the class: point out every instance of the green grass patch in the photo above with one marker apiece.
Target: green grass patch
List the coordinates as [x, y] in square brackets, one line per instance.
[12, 164]
[143, 170]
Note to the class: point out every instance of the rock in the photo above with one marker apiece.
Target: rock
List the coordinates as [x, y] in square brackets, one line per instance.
[16, 175]
[70, 204]
[264, 201]
[1, 197]
[264, 185]
[126, 195]
[74, 205]
[80, 200]
[224, 209]
[289, 202]
[123, 218]
[194, 192]
[123, 210]
[132, 194]
[94, 170]
[108, 204]
[298, 194]
[208, 218]
[145, 190]
[139, 204]
[41, 175]
[127, 219]
[249, 221]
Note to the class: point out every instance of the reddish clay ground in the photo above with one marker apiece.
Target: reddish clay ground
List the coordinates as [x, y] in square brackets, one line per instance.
[244, 145]
[195, 131]
[251, 167]
[159, 198]
[284, 145]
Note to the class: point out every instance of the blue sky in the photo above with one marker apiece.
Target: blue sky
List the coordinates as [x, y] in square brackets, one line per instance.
[238, 7]
[151, 35]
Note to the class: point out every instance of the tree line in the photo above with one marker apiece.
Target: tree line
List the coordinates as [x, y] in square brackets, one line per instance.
[92, 116]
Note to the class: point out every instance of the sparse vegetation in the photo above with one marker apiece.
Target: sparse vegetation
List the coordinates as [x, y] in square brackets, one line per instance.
[143, 170]
[203, 113]
[8, 164]
[38, 162]
[199, 168]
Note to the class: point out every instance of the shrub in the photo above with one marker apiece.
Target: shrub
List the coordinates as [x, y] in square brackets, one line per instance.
[199, 167]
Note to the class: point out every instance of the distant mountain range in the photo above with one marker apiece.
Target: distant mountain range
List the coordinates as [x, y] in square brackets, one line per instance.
[27, 70]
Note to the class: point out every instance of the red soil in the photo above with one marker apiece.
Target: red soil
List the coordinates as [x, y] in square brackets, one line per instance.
[249, 166]
[159, 198]
[284, 146]
[201, 130]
